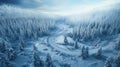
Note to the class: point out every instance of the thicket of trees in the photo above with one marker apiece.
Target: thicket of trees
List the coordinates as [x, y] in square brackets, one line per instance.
[117, 45]
[12, 29]
[113, 61]
[95, 30]
[85, 52]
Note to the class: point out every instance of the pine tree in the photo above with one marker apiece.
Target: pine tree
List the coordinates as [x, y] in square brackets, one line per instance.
[99, 53]
[117, 45]
[2, 47]
[37, 60]
[85, 52]
[117, 61]
[11, 54]
[65, 41]
[108, 63]
[65, 65]
[76, 45]
[21, 46]
[49, 61]
[2, 62]
[8, 64]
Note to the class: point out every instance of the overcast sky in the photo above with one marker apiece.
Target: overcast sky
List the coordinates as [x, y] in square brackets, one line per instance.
[55, 6]
[48, 3]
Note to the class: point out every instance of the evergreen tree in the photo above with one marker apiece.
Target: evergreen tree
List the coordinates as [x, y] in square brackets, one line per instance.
[117, 45]
[2, 62]
[11, 54]
[76, 45]
[99, 53]
[37, 61]
[85, 52]
[108, 63]
[65, 65]
[21, 46]
[8, 64]
[2, 47]
[117, 61]
[49, 61]
[65, 41]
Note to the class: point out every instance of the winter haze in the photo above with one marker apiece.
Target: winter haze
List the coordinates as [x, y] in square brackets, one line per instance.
[59, 33]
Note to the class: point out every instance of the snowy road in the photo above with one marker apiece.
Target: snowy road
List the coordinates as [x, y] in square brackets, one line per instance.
[50, 42]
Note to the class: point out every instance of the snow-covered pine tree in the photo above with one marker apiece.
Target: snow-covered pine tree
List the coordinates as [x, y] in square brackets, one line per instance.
[48, 61]
[76, 45]
[82, 52]
[8, 64]
[2, 47]
[85, 52]
[117, 45]
[99, 53]
[37, 60]
[117, 61]
[21, 46]
[108, 62]
[25, 65]
[65, 40]
[65, 65]
[11, 54]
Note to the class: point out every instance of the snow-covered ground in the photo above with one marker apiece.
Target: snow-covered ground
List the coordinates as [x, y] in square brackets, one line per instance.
[54, 45]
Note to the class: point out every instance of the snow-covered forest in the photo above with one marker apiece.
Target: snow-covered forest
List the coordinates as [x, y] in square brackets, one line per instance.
[32, 39]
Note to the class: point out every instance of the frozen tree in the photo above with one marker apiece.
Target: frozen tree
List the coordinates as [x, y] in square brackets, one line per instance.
[117, 61]
[11, 54]
[76, 45]
[2, 62]
[65, 40]
[21, 46]
[85, 52]
[37, 60]
[25, 65]
[117, 45]
[48, 61]
[8, 64]
[99, 53]
[2, 47]
[108, 62]
[65, 65]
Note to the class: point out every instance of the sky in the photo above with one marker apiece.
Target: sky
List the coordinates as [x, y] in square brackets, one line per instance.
[58, 6]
